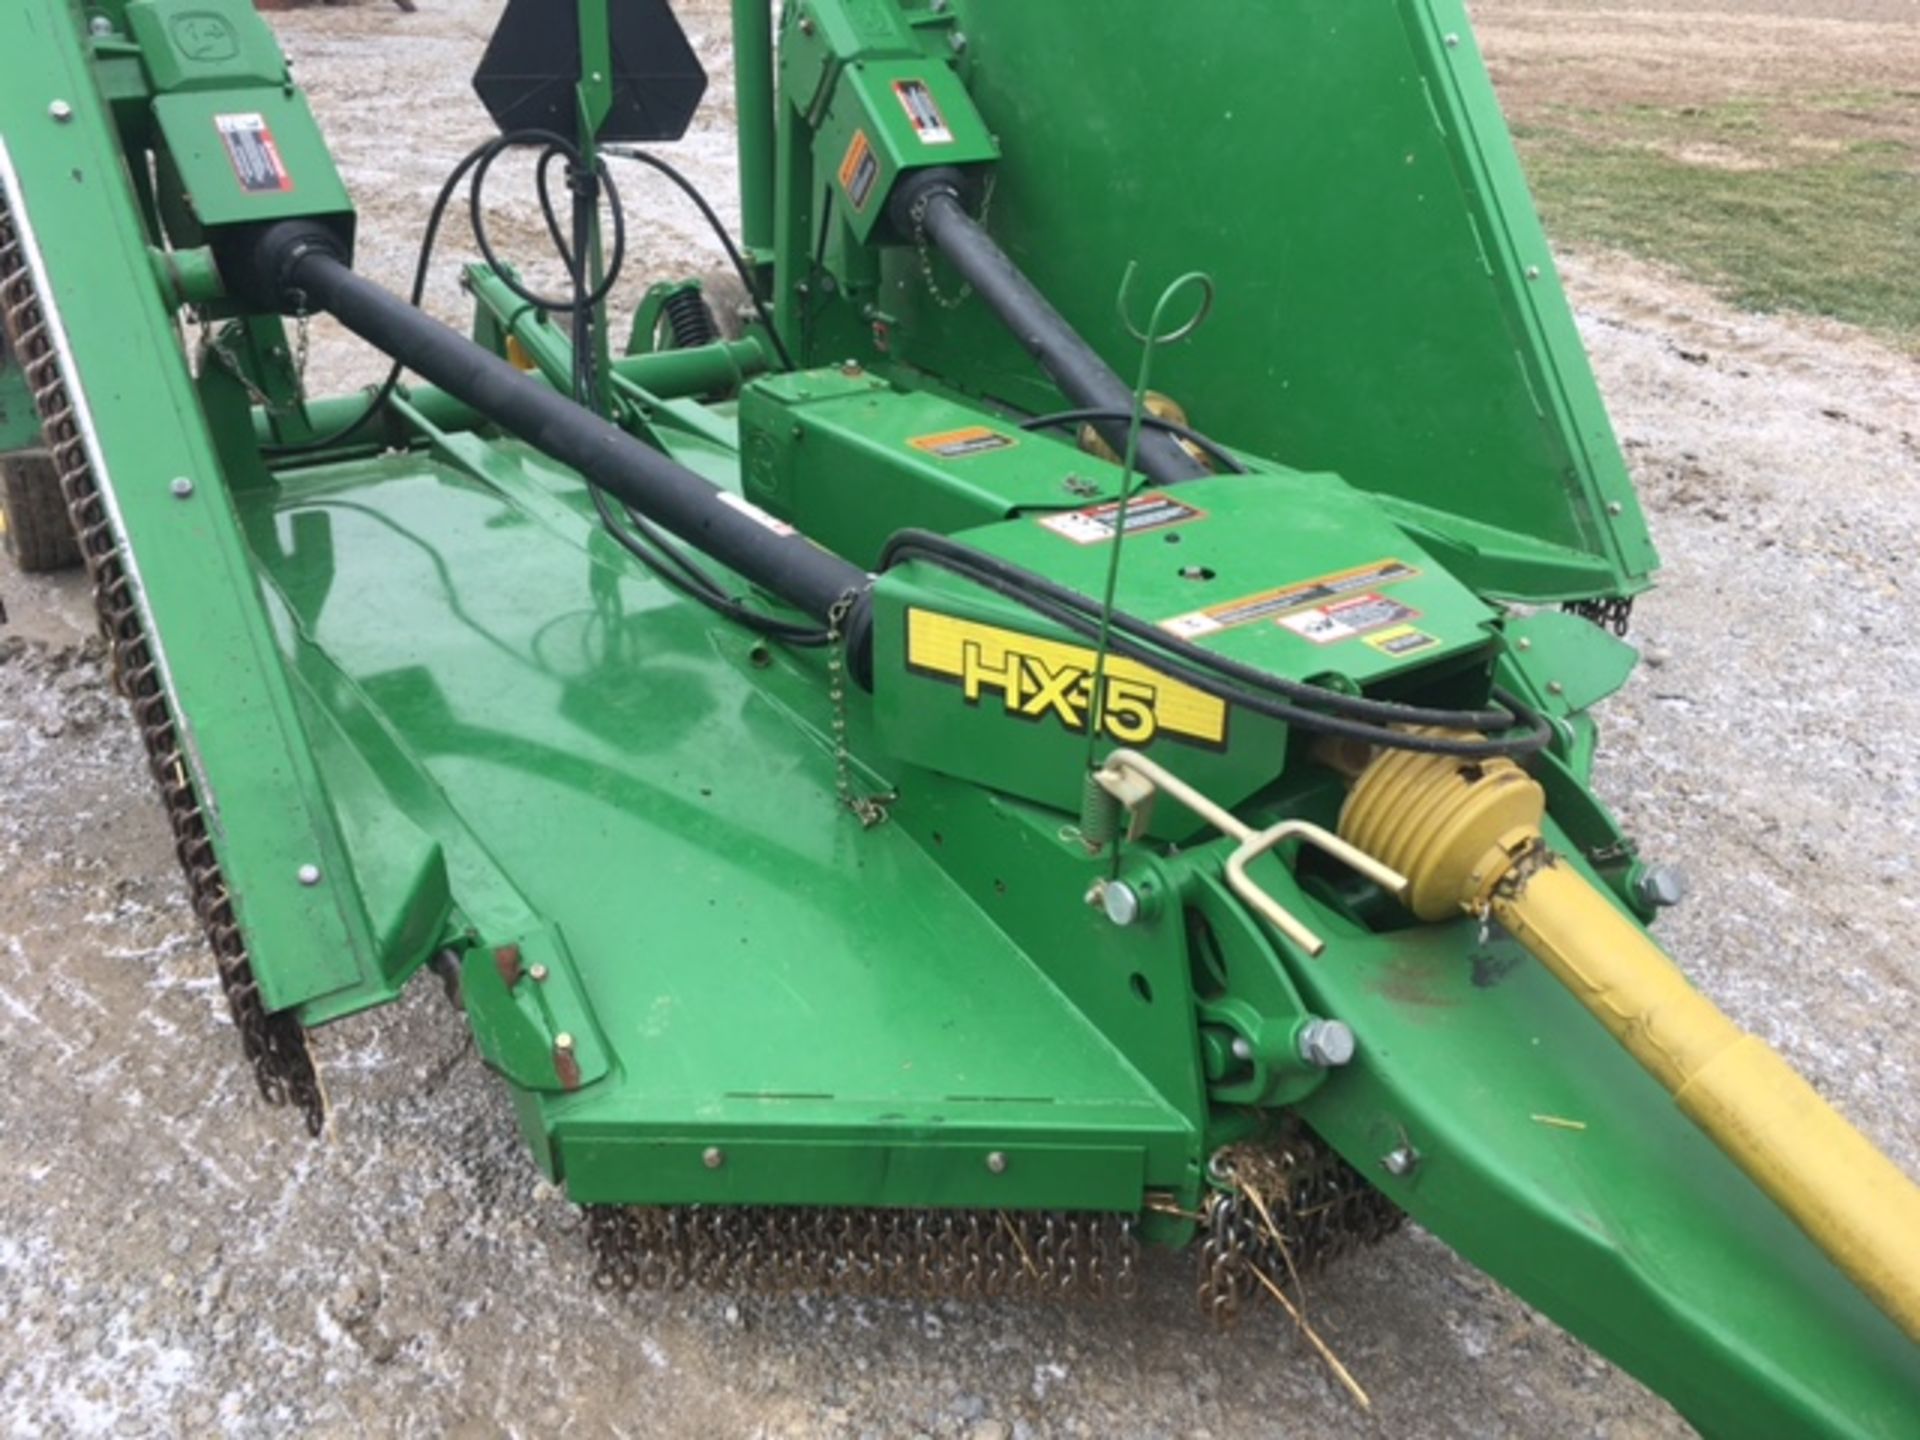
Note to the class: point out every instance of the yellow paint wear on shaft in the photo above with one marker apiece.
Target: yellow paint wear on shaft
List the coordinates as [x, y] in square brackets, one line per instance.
[1468, 837]
[1852, 1201]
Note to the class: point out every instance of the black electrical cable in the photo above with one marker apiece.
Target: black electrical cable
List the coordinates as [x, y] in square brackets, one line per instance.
[740, 266]
[1213, 450]
[674, 569]
[1310, 707]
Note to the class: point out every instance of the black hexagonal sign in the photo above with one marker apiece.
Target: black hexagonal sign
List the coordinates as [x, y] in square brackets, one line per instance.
[527, 76]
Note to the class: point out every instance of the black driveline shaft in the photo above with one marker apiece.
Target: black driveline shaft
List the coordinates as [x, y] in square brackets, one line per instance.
[932, 203]
[769, 555]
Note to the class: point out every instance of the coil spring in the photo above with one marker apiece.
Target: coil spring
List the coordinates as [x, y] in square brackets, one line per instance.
[689, 320]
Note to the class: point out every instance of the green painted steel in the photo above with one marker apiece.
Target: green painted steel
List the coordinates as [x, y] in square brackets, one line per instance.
[61, 165]
[19, 425]
[418, 661]
[1388, 305]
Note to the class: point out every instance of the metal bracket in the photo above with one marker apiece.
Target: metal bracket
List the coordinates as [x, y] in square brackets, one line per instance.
[1133, 780]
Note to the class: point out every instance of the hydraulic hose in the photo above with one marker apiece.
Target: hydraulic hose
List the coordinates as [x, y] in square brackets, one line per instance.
[1468, 838]
[297, 266]
[929, 204]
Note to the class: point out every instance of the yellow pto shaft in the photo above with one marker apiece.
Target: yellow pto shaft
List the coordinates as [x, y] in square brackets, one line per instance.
[1467, 836]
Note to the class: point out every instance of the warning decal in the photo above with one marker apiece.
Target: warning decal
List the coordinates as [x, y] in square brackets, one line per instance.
[960, 444]
[928, 123]
[1098, 524]
[1402, 640]
[1326, 624]
[859, 170]
[256, 159]
[1027, 678]
[1321, 590]
[754, 513]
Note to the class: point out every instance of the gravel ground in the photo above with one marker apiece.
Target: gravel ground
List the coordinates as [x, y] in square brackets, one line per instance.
[175, 1259]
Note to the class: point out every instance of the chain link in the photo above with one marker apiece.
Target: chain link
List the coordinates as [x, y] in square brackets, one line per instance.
[871, 810]
[1609, 612]
[923, 248]
[1321, 1208]
[275, 1044]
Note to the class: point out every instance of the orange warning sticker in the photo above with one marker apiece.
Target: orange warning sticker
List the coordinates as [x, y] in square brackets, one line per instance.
[859, 170]
[960, 444]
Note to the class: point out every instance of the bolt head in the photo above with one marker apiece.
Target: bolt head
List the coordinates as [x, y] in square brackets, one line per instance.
[958, 41]
[997, 1162]
[563, 1042]
[1242, 1048]
[1533, 272]
[180, 486]
[61, 111]
[1326, 1044]
[1120, 902]
[1661, 886]
[713, 1157]
[100, 27]
[1452, 41]
[309, 874]
[1402, 1160]
[538, 972]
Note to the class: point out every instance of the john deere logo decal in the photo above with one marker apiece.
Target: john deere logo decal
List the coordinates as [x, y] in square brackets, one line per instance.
[1045, 680]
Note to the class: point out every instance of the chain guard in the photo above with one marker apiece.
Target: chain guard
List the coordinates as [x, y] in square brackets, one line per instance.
[1322, 1207]
[929, 1254]
[275, 1044]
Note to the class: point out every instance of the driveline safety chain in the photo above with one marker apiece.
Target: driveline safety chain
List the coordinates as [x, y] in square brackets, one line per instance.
[1320, 1207]
[871, 810]
[1609, 612]
[928, 1254]
[275, 1044]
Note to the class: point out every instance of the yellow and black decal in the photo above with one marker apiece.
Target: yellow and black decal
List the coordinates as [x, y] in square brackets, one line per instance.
[859, 170]
[1038, 680]
[962, 444]
[1402, 640]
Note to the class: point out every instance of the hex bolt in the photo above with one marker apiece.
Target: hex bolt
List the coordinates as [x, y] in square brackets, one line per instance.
[958, 41]
[61, 112]
[1402, 1161]
[1554, 687]
[1660, 887]
[563, 1042]
[1533, 272]
[309, 875]
[1614, 507]
[538, 973]
[997, 1162]
[713, 1157]
[181, 487]
[1452, 41]
[1326, 1044]
[100, 27]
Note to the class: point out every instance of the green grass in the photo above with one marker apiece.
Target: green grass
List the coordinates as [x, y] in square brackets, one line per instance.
[1812, 207]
